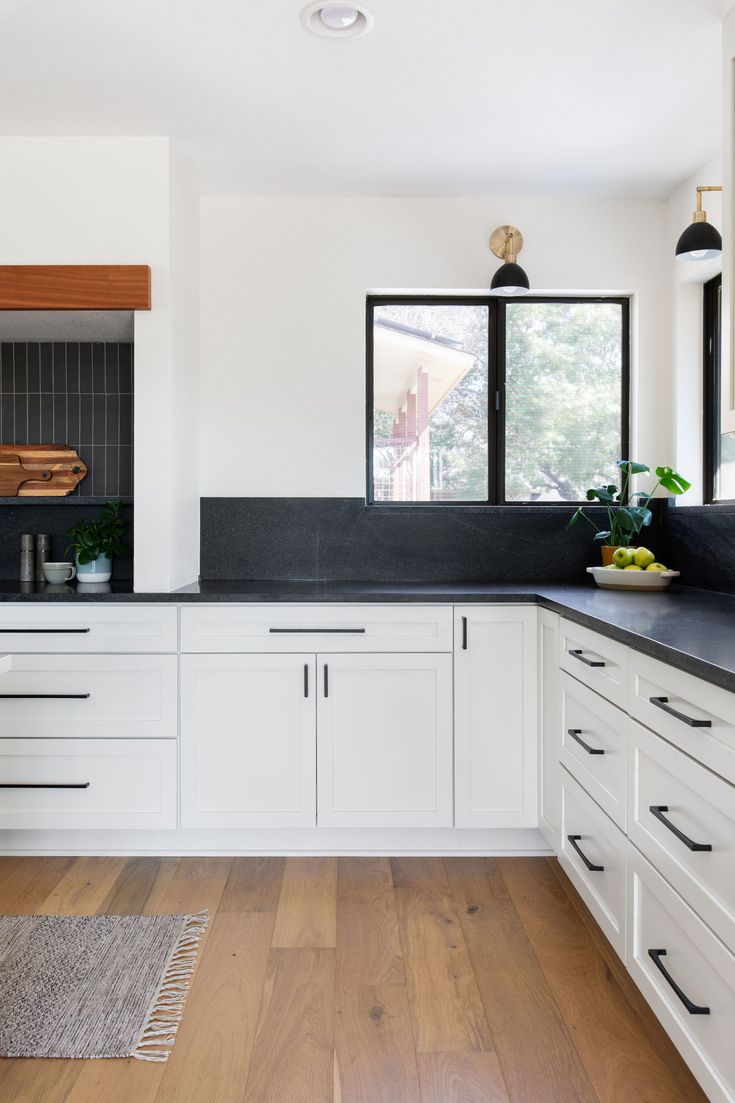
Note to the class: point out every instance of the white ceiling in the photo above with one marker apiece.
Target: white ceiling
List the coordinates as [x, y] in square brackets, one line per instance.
[461, 97]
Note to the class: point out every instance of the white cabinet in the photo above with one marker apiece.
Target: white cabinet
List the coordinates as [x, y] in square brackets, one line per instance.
[86, 628]
[549, 721]
[385, 740]
[248, 741]
[495, 716]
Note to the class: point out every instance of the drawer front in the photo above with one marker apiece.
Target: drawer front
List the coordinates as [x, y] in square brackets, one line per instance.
[605, 847]
[688, 799]
[698, 963]
[696, 716]
[83, 783]
[598, 662]
[88, 696]
[84, 628]
[311, 628]
[594, 745]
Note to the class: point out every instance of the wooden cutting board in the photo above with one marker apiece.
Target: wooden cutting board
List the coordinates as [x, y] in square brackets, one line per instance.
[36, 470]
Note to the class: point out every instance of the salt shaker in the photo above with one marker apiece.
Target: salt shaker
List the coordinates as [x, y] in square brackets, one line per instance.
[43, 548]
[27, 566]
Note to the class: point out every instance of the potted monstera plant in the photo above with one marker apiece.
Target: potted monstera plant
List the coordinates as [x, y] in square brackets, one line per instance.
[95, 542]
[627, 512]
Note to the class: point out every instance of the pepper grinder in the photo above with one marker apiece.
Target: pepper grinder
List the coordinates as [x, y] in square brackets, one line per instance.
[27, 566]
[43, 547]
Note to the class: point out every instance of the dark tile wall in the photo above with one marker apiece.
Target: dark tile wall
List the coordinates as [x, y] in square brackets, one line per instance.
[699, 541]
[342, 539]
[78, 393]
[56, 520]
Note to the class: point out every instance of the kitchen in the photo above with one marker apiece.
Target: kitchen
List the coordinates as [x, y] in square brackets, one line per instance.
[351, 765]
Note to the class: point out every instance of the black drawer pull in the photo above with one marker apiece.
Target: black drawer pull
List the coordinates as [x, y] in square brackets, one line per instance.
[45, 785]
[464, 633]
[306, 679]
[657, 810]
[44, 696]
[577, 654]
[692, 1008]
[316, 631]
[663, 704]
[576, 733]
[590, 865]
[36, 631]
[326, 680]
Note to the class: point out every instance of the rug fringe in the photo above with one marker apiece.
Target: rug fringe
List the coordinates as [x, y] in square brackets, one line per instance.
[164, 1015]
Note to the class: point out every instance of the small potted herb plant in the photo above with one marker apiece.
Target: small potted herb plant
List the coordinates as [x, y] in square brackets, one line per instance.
[627, 513]
[95, 543]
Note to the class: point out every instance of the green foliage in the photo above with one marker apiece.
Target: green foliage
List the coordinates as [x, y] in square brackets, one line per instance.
[101, 536]
[625, 519]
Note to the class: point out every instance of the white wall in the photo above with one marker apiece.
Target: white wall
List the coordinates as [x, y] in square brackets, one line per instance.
[282, 338]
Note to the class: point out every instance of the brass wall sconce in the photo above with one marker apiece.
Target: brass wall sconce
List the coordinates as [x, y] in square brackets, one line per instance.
[506, 243]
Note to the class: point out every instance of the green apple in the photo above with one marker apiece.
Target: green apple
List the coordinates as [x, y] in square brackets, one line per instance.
[643, 557]
[622, 557]
[633, 567]
[656, 567]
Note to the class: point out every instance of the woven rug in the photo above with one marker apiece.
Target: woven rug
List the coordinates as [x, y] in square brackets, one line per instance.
[95, 986]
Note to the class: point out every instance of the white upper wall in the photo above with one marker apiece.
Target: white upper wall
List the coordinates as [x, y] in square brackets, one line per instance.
[282, 292]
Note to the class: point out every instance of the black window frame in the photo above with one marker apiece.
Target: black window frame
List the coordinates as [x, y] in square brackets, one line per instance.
[497, 306]
[711, 388]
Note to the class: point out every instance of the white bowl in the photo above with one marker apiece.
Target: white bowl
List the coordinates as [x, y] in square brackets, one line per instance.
[632, 580]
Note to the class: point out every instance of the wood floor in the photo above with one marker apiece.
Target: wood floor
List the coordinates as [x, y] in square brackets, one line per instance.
[366, 980]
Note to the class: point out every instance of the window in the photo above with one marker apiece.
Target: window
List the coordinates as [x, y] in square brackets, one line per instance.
[482, 400]
[719, 447]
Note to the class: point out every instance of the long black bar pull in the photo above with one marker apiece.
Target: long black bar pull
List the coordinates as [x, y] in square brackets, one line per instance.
[692, 1008]
[326, 680]
[464, 633]
[576, 733]
[574, 839]
[44, 785]
[44, 696]
[576, 653]
[663, 704]
[306, 679]
[658, 810]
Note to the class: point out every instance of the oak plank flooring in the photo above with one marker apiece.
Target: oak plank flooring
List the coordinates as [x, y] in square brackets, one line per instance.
[495, 985]
[447, 1011]
[461, 1078]
[375, 1060]
[538, 1059]
[368, 943]
[619, 1062]
[293, 1055]
[307, 905]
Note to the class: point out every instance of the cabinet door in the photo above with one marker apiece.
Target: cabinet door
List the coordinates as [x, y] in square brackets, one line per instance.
[248, 741]
[385, 740]
[495, 716]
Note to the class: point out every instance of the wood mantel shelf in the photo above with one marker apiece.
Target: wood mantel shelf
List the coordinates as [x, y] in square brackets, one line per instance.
[75, 287]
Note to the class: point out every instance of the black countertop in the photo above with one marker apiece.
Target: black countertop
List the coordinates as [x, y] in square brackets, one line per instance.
[693, 630]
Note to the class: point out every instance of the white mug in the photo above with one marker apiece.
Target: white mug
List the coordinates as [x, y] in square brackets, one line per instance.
[59, 572]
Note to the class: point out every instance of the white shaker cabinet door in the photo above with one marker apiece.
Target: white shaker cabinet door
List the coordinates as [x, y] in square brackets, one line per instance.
[495, 716]
[385, 740]
[248, 741]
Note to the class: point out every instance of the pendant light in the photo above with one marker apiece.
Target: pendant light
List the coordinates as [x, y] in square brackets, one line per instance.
[700, 241]
[506, 243]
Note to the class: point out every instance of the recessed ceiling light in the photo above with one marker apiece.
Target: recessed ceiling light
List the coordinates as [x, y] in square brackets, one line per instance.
[334, 20]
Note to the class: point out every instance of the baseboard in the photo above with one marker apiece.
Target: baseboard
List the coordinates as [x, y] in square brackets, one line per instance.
[454, 842]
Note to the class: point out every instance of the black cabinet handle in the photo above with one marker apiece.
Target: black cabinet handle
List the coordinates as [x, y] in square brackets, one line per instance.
[577, 654]
[576, 733]
[657, 810]
[573, 839]
[44, 696]
[663, 704]
[464, 633]
[45, 785]
[692, 1008]
[326, 680]
[306, 679]
[316, 631]
[37, 631]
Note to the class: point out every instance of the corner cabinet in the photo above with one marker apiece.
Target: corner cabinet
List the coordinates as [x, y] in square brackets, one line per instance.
[495, 716]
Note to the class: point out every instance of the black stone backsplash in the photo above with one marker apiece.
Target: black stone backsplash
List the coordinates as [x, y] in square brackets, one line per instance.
[78, 393]
[55, 520]
[340, 539]
[699, 541]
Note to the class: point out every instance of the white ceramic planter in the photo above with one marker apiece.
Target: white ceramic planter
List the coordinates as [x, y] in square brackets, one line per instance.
[99, 570]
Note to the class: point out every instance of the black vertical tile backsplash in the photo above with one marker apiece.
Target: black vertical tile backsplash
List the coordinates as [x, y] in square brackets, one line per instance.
[78, 393]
